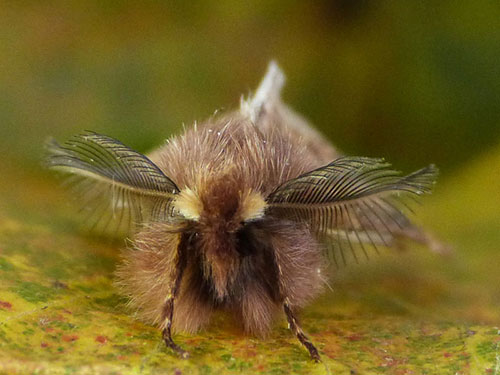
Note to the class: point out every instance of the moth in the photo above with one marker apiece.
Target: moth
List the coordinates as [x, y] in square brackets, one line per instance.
[241, 213]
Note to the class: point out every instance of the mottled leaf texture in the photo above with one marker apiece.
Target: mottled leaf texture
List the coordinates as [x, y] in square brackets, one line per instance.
[352, 201]
[116, 184]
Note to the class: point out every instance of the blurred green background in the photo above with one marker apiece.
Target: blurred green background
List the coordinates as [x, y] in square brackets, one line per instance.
[412, 81]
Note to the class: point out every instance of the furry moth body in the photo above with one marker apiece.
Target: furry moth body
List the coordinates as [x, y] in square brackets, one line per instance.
[239, 213]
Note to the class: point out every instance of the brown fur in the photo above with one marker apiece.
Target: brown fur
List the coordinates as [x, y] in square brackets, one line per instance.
[259, 159]
[248, 267]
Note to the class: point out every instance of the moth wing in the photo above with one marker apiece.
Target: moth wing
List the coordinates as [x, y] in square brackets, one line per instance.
[352, 202]
[116, 186]
[267, 111]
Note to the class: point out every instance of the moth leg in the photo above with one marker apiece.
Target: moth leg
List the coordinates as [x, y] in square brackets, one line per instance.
[168, 306]
[293, 323]
[297, 330]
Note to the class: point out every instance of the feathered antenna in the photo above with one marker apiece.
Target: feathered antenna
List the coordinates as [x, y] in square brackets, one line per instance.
[353, 199]
[116, 183]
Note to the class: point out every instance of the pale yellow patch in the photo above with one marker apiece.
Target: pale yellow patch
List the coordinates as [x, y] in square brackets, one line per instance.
[189, 205]
[253, 206]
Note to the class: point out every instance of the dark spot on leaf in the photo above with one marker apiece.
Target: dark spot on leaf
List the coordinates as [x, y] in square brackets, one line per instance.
[101, 339]
[251, 353]
[69, 338]
[5, 305]
[59, 285]
[354, 337]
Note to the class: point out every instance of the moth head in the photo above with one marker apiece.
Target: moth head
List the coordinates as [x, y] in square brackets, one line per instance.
[221, 204]
[218, 209]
